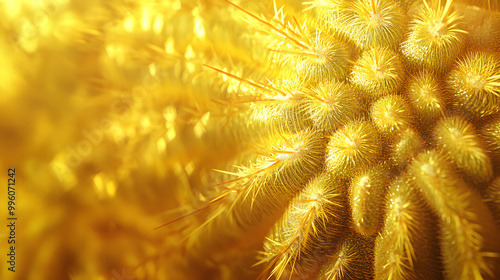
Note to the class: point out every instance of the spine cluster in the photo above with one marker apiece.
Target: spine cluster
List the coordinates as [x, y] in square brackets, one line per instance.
[376, 135]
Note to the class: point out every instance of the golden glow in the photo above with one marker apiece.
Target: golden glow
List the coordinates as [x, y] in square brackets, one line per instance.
[322, 139]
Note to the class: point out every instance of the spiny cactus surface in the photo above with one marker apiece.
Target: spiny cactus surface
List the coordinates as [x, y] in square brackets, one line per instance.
[398, 96]
[320, 139]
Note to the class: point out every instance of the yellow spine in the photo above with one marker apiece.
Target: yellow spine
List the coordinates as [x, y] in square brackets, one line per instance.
[367, 198]
[406, 145]
[352, 148]
[391, 114]
[352, 261]
[436, 35]
[331, 105]
[371, 23]
[475, 84]
[426, 96]
[260, 193]
[377, 72]
[311, 226]
[468, 246]
[459, 140]
[407, 247]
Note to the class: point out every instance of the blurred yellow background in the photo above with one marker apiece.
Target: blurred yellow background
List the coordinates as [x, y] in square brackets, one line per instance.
[104, 114]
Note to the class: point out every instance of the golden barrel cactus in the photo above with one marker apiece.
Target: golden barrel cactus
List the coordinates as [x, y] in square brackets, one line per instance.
[213, 139]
